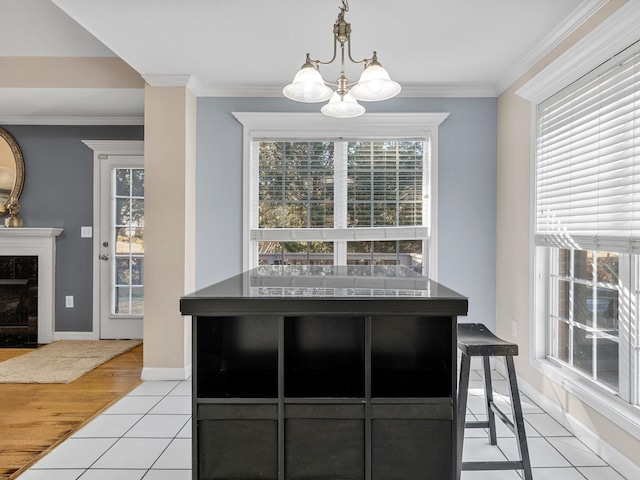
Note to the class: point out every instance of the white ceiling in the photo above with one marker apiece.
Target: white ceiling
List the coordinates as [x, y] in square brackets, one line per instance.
[254, 47]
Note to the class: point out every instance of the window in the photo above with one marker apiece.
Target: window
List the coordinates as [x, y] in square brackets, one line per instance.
[359, 190]
[128, 223]
[584, 321]
[319, 191]
[588, 223]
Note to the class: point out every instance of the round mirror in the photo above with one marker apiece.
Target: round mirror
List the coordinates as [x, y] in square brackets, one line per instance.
[11, 170]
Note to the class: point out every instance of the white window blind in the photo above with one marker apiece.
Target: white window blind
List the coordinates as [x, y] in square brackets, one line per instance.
[385, 183]
[372, 189]
[588, 161]
[295, 184]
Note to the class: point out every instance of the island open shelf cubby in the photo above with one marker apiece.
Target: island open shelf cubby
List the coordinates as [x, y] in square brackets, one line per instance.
[324, 373]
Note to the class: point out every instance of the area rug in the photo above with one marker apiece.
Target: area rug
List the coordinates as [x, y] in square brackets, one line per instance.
[62, 361]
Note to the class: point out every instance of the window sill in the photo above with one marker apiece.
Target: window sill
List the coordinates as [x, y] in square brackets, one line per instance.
[623, 414]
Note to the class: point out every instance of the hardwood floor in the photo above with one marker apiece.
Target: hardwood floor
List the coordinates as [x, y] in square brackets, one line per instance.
[36, 417]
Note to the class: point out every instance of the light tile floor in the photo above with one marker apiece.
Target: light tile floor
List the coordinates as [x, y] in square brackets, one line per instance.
[147, 435]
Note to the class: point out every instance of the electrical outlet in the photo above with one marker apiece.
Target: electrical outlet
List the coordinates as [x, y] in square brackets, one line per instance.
[514, 326]
[68, 301]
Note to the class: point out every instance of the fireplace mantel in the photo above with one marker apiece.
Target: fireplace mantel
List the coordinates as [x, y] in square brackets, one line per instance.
[40, 242]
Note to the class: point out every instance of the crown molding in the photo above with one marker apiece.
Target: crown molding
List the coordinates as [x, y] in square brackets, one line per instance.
[167, 80]
[68, 120]
[448, 91]
[411, 91]
[551, 41]
[188, 81]
[620, 30]
[249, 91]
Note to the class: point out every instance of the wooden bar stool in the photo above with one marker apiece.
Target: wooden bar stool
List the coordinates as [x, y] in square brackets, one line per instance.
[475, 340]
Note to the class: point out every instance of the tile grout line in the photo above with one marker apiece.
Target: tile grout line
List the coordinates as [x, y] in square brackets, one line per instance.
[122, 436]
[175, 437]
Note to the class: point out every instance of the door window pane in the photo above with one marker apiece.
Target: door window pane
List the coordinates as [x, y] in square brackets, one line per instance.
[129, 301]
[123, 245]
[122, 300]
[123, 211]
[123, 182]
[136, 240]
[136, 270]
[137, 212]
[137, 301]
[137, 184]
[123, 271]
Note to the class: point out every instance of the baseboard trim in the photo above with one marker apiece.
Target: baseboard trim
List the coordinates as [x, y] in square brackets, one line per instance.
[74, 336]
[155, 374]
[619, 462]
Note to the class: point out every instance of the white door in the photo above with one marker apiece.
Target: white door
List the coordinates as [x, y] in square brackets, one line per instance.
[121, 246]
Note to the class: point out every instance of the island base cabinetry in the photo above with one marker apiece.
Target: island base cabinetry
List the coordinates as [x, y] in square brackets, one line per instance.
[324, 441]
[411, 442]
[342, 396]
[237, 442]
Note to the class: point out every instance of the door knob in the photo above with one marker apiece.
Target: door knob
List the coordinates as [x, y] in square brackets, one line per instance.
[104, 257]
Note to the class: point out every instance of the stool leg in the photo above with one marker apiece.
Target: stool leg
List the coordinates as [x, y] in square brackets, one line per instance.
[488, 399]
[518, 419]
[463, 388]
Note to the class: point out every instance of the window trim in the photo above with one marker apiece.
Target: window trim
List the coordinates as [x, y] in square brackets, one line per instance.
[617, 32]
[602, 400]
[620, 30]
[317, 126]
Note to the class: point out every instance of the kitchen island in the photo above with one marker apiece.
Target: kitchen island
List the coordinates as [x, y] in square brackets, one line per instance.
[324, 372]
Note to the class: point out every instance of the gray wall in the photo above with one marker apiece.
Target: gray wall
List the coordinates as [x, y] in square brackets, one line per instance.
[58, 192]
[466, 190]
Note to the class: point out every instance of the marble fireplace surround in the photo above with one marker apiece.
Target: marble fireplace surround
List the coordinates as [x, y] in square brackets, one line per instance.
[40, 242]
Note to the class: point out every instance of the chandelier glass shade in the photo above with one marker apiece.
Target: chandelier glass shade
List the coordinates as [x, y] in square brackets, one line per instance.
[308, 86]
[373, 85]
[342, 107]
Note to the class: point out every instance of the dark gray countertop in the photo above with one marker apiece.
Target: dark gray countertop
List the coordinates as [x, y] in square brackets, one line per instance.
[302, 289]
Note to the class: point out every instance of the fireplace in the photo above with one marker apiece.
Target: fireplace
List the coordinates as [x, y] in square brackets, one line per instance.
[28, 277]
[18, 301]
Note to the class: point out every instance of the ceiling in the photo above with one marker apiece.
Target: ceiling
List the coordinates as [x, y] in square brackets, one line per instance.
[254, 47]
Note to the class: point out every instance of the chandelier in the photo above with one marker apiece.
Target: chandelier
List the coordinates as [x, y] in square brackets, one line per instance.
[374, 84]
